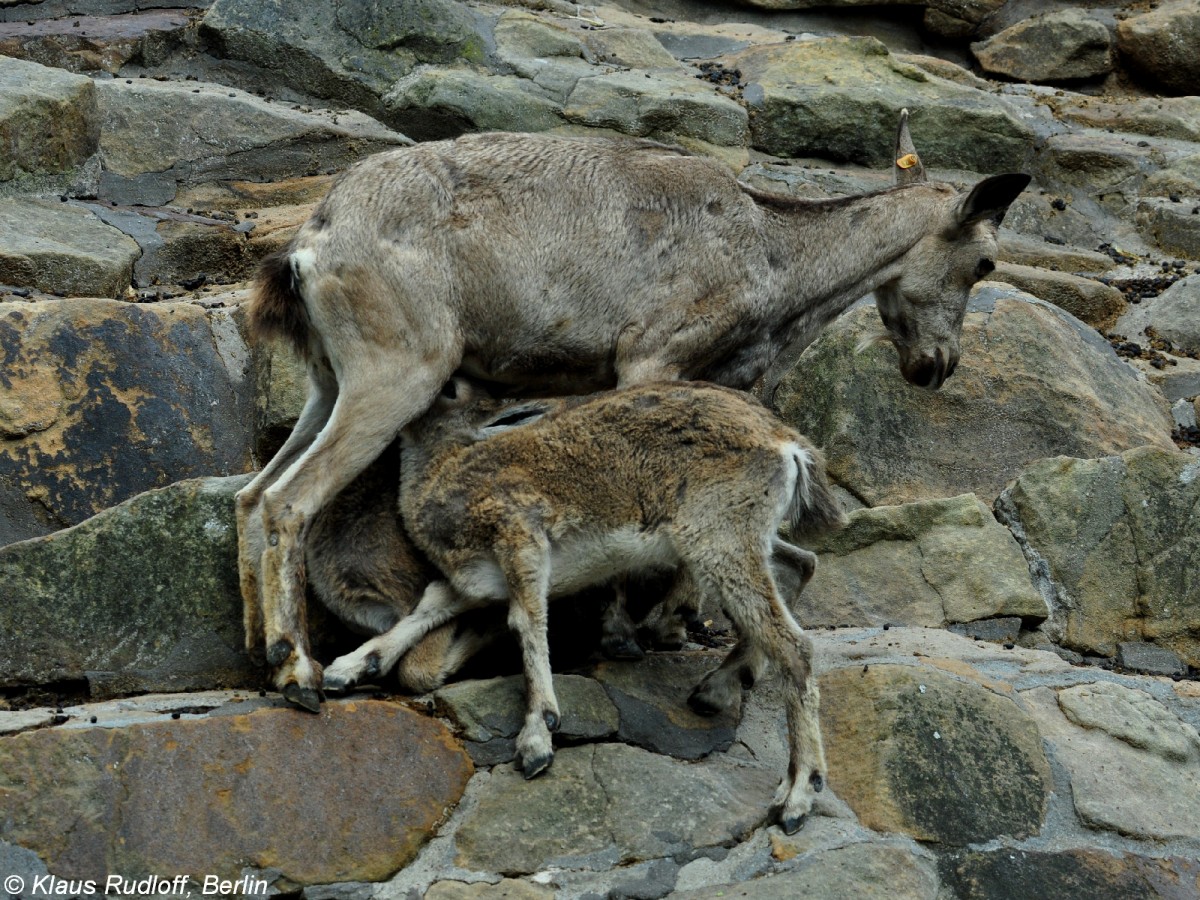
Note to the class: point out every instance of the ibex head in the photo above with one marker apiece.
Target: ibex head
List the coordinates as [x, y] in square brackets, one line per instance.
[923, 308]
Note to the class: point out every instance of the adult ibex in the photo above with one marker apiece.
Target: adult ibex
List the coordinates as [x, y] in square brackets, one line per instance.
[570, 265]
[537, 502]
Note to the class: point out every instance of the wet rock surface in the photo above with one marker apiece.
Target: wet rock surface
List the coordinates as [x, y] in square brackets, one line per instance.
[1005, 632]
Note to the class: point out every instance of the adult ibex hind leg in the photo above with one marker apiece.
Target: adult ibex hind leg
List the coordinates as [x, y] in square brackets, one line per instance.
[391, 355]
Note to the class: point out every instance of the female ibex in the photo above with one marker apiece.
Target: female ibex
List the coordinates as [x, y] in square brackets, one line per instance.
[515, 508]
[570, 265]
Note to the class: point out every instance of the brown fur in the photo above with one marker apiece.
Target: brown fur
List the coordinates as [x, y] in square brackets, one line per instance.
[521, 508]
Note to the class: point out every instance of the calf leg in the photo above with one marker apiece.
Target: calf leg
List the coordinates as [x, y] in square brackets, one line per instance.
[618, 638]
[748, 595]
[438, 605]
[368, 413]
[722, 688]
[524, 557]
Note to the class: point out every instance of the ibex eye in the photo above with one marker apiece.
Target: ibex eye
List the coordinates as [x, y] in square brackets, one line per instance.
[985, 267]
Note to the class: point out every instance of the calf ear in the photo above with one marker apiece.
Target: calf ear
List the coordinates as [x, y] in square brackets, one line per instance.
[991, 198]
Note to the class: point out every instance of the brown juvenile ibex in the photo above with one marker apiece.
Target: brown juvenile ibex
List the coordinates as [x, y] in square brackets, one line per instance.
[570, 265]
[521, 505]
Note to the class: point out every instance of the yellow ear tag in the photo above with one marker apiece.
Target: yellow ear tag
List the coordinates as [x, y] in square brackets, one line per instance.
[907, 161]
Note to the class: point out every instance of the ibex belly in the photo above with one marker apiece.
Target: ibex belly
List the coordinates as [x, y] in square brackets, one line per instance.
[577, 561]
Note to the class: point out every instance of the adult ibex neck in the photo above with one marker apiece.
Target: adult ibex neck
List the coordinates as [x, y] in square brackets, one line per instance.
[832, 252]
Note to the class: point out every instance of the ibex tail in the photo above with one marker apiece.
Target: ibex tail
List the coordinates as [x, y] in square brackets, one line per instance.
[277, 307]
[813, 508]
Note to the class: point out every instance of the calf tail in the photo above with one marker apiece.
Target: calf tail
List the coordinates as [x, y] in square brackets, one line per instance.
[814, 507]
[276, 308]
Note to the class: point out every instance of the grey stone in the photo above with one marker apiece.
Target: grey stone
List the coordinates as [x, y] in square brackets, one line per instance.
[95, 43]
[943, 561]
[1131, 716]
[651, 697]
[1117, 787]
[1175, 314]
[1117, 539]
[604, 804]
[838, 98]
[1032, 382]
[187, 132]
[1011, 872]
[495, 708]
[1003, 630]
[906, 745]
[1157, 45]
[1172, 227]
[438, 102]
[167, 560]
[659, 104]
[48, 119]
[64, 249]
[1065, 45]
[869, 871]
[1149, 658]
[97, 801]
[1090, 301]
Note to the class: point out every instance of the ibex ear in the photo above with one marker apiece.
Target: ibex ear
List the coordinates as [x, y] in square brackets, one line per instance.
[991, 198]
[458, 391]
[909, 169]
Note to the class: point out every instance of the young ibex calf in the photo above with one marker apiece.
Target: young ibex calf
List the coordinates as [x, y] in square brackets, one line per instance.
[571, 265]
[522, 504]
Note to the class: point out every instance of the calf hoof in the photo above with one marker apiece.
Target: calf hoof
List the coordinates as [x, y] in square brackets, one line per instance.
[336, 684]
[304, 698]
[278, 653]
[536, 765]
[621, 648]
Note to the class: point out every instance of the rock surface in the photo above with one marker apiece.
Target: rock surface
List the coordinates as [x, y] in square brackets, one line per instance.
[1116, 538]
[1066, 45]
[1032, 383]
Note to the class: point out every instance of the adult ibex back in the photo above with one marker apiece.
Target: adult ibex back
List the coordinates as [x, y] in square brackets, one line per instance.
[520, 505]
[571, 265]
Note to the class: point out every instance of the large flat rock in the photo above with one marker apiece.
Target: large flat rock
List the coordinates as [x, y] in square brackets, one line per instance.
[1032, 382]
[1118, 538]
[103, 400]
[286, 796]
[910, 743]
[64, 249]
[49, 121]
[142, 597]
[932, 563]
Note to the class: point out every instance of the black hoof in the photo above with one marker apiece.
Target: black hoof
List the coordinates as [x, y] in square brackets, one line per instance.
[304, 698]
[531, 768]
[817, 782]
[336, 685]
[791, 825]
[372, 670]
[551, 720]
[278, 653]
[702, 706]
[621, 648]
